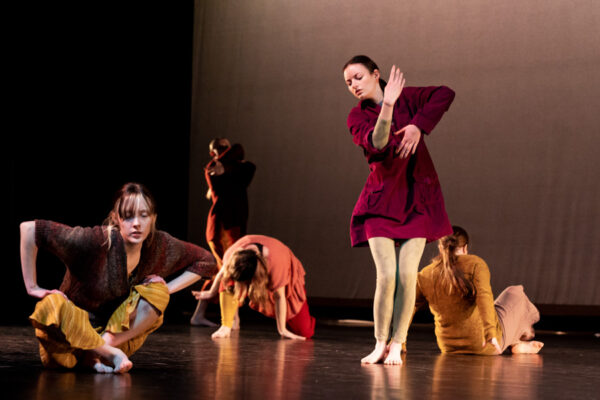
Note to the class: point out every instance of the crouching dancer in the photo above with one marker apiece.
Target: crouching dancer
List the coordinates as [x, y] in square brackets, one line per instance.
[267, 272]
[113, 294]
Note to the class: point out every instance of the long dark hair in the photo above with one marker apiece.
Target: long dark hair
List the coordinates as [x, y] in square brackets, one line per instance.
[451, 276]
[369, 64]
[250, 268]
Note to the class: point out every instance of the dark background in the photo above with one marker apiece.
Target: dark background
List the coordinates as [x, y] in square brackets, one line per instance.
[101, 97]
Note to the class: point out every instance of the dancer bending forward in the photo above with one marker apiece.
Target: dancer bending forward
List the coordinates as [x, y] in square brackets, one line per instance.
[467, 320]
[265, 270]
[113, 294]
[401, 203]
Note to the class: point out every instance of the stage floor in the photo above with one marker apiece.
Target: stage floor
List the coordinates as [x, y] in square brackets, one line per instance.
[180, 361]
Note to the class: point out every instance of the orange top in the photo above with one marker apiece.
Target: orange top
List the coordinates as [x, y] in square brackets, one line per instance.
[284, 270]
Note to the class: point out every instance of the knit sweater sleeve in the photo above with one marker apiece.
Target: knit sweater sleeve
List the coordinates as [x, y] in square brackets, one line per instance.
[171, 255]
[485, 299]
[74, 246]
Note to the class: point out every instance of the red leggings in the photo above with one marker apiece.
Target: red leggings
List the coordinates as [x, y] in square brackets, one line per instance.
[303, 323]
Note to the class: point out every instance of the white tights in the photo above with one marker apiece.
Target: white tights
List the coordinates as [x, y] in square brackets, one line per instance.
[395, 298]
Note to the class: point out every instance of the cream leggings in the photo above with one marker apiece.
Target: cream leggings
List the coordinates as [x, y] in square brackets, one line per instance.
[396, 285]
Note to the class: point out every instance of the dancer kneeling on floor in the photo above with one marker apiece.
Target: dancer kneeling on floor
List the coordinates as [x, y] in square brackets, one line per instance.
[467, 320]
[265, 270]
[113, 294]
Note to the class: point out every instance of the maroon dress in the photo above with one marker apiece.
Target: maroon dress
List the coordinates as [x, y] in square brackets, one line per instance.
[402, 198]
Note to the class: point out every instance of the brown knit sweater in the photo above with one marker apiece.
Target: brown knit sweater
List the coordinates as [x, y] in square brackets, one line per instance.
[96, 277]
[461, 325]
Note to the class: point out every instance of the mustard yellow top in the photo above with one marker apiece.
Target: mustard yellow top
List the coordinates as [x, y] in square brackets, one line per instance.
[461, 325]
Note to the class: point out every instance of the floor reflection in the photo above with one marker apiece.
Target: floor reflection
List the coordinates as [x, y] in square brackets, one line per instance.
[513, 377]
[76, 385]
[389, 381]
[184, 363]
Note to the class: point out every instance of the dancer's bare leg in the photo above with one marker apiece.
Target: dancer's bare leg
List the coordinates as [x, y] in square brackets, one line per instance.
[199, 318]
[404, 301]
[384, 254]
[144, 316]
[531, 347]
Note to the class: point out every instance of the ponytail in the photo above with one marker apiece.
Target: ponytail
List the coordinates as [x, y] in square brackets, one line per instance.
[452, 277]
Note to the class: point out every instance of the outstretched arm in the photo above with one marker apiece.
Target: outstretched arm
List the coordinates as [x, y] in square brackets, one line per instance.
[182, 281]
[29, 252]
[281, 315]
[212, 292]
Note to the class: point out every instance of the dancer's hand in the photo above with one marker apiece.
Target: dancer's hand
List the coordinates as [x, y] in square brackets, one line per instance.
[394, 87]
[289, 335]
[202, 294]
[216, 169]
[410, 141]
[40, 293]
[494, 343]
[153, 279]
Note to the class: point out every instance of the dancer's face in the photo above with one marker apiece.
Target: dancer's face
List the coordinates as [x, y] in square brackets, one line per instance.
[137, 225]
[361, 83]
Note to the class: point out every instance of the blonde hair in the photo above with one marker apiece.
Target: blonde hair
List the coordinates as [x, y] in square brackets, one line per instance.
[246, 266]
[127, 202]
[451, 276]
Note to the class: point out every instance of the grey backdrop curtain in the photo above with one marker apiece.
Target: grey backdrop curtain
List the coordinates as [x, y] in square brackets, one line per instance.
[516, 153]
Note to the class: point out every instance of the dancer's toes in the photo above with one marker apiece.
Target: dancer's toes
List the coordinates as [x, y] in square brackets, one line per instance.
[376, 355]
[394, 354]
[222, 332]
[120, 361]
[122, 365]
[392, 360]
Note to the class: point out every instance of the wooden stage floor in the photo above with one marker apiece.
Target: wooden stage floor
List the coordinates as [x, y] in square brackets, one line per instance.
[182, 362]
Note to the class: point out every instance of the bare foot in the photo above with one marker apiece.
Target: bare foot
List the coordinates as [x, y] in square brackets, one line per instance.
[91, 360]
[121, 362]
[393, 357]
[222, 332]
[110, 359]
[532, 347]
[197, 320]
[376, 355]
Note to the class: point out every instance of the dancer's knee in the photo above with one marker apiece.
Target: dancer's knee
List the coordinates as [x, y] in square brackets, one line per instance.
[408, 277]
[154, 295]
[147, 309]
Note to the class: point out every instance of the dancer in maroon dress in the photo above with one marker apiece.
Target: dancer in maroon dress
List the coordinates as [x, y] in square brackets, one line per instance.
[401, 203]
